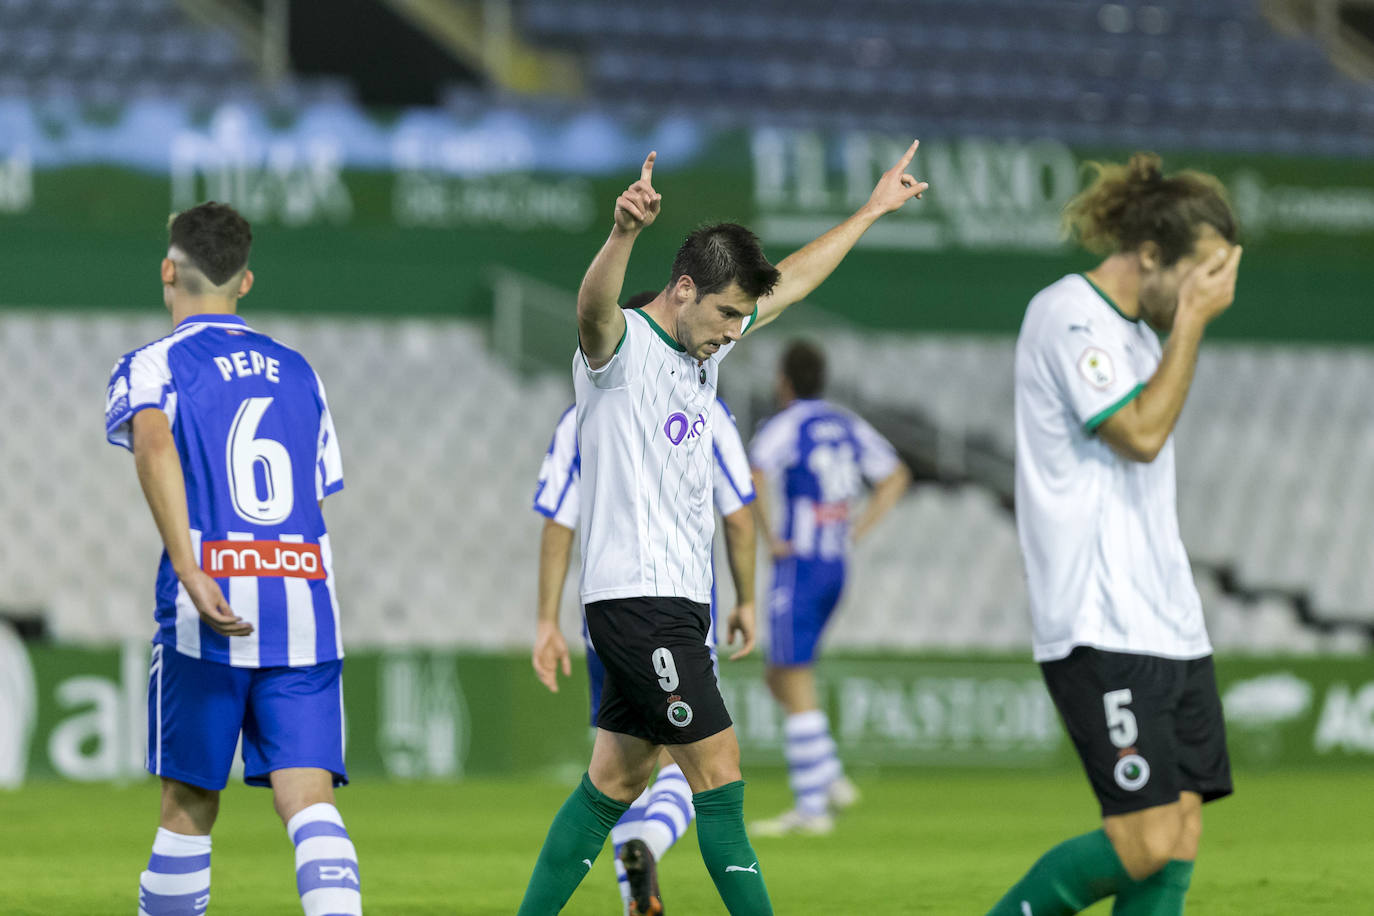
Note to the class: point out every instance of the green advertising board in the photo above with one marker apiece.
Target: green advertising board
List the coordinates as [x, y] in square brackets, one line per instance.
[357, 212]
[80, 714]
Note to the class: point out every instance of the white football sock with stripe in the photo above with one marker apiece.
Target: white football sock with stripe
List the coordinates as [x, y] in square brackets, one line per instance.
[659, 817]
[177, 882]
[812, 761]
[326, 863]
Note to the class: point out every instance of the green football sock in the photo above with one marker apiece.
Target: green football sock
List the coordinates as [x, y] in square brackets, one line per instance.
[1068, 878]
[726, 851]
[574, 841]
[1161, 894]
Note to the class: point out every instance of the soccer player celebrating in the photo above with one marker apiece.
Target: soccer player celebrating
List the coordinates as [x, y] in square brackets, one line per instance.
[646, 414]
[1117, 622]
[235, 450]
[663, 812]
[823, 455]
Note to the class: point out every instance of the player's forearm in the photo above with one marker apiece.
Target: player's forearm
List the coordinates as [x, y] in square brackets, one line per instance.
[805, 269]
[164, 487]
[599, 321]
[742, 552]
[884, 497]
[555, 554]
[1140, 431]
[760, 510]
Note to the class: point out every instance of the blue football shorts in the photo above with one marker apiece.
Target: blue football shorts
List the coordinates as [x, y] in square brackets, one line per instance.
[289, 717]
[803, 595]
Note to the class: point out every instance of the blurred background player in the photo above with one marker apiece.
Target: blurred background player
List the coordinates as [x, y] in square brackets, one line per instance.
[235, 450]
[1116, 618]
[646, 390]
[819, 455]
[660, 815]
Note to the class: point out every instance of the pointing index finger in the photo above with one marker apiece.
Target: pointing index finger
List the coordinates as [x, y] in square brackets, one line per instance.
[908, 155]
[646, 171]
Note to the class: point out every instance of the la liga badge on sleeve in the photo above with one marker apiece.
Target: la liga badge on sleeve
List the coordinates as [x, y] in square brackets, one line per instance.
[1096, 366]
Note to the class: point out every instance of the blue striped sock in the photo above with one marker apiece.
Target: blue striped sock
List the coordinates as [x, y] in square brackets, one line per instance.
[812, 762]
[326, 863]
[177, 882]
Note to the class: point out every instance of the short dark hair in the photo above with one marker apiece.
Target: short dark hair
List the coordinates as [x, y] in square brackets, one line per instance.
[716, 256]
[803, 365]
[214, 237]
[1128, 205]
[640, 299]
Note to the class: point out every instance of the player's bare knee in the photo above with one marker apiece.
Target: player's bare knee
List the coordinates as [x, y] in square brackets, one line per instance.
[188, 809]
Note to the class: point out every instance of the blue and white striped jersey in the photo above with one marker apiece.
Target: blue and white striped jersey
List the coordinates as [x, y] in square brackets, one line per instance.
[823, 454]
[258, 452]
[556, 494]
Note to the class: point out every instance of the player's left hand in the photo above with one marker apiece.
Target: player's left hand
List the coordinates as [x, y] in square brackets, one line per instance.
[550, 653]
[741, 624]
[896, 187]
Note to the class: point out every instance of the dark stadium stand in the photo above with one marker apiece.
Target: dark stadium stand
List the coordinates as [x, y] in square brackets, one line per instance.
[1170, 72]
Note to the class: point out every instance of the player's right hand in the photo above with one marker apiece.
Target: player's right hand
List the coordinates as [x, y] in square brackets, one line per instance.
[205, 594]
[550, 653]
[1210, 287]
[638, 207]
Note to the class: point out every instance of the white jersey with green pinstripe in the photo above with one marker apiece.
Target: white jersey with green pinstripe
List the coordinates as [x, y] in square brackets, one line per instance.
[1105, 565]
[645, 427]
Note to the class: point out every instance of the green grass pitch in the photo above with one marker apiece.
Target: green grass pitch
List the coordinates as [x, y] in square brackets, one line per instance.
[934, 842]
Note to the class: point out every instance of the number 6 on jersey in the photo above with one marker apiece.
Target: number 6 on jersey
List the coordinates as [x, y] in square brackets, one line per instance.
[245, 455]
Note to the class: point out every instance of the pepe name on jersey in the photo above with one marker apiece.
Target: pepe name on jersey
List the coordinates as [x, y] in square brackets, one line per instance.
[258, 452]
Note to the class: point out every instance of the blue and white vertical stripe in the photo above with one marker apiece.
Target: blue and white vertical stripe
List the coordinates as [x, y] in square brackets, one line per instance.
[177, 881]
[326, 863]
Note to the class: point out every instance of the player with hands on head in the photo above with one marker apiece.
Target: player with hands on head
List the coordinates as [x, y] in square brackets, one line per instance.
[1116, 619]
[645, 382]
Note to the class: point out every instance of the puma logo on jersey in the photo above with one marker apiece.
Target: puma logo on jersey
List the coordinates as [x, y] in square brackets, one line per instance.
[587, 862]
[752, 869]
[1025, 908]
[1085, 328]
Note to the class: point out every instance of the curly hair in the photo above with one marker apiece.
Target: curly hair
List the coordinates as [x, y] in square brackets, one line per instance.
[1127, 205]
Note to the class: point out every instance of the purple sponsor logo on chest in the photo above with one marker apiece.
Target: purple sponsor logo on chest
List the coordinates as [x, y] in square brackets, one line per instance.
[678, 427]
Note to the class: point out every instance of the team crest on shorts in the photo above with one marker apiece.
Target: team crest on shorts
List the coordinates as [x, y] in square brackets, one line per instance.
[1131, 771]
[679, 713]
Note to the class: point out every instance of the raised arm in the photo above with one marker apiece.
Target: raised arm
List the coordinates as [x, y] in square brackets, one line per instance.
[600, 323]
[550, 648]
[164, 486]
[1138, 431]
[805, 269]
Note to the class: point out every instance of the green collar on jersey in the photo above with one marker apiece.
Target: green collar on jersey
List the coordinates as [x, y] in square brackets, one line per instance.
[1108, 299]
[662, 333]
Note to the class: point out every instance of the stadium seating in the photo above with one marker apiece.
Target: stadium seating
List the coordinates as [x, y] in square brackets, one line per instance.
[1167, 72]
[435, 542]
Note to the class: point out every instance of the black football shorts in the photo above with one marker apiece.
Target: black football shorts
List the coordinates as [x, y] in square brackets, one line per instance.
[660, 683]
[1146, 727]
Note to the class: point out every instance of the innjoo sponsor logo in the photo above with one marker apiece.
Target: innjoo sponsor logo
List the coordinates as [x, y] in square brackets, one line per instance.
[262, 558]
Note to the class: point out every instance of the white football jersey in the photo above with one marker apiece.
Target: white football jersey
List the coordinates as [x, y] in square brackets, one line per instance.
[556, 491]
[646, 435]
[1105, 564]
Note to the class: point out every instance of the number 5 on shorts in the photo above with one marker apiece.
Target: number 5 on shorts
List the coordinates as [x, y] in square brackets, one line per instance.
[666, 669]
[1121, 725]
